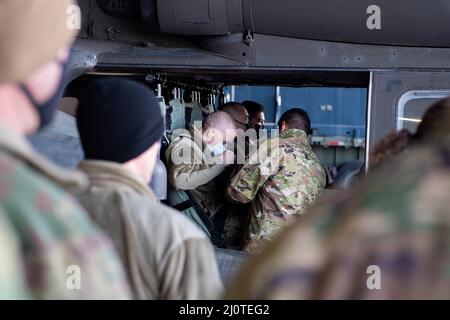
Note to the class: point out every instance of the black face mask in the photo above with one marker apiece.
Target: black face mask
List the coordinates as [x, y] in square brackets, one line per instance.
[47, 109]
[259, 127]
[245, 125]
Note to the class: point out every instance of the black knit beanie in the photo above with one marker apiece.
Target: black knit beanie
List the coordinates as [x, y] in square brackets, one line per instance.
[118, 120]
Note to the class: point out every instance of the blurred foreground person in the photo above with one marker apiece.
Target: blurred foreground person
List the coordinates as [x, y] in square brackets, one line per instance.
[389, 238]
[435, 124]
[60, 253]
[165, 255]
[390, 146]
[12, 280]
[281, 181]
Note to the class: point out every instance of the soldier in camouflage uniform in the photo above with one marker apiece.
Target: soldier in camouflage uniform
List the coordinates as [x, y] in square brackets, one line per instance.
[281, 185]
[49, 249]
[389, 238]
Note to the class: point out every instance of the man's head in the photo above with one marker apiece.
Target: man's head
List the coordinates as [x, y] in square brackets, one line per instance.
[435, 123]
[35, 43]
[120, 121]
[295, 118]
[390, 146]
[238, 113]
[218, 129]
[256, 114]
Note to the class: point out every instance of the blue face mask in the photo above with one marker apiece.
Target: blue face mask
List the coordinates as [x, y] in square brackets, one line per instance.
[218, 149]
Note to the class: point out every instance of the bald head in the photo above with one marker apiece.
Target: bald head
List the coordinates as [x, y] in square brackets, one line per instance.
[219, 124]
[219, 120]
[238, 113]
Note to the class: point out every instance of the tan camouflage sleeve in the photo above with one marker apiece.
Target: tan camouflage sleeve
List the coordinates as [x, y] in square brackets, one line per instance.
[190, 177]
[191, 172]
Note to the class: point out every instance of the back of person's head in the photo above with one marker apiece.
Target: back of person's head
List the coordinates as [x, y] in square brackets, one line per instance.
[390, 146]
[237, 112]
[435, 124]
[118, 120]
[230, 105]
[296, 118]
[252, 107]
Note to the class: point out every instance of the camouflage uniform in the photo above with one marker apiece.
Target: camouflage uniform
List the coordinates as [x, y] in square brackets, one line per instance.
[12, 280]
[195, 171]
[398, 219]
[52, 232]
[282, 185]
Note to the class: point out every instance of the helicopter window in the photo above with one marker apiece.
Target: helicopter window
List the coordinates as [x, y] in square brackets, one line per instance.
[412, 105]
